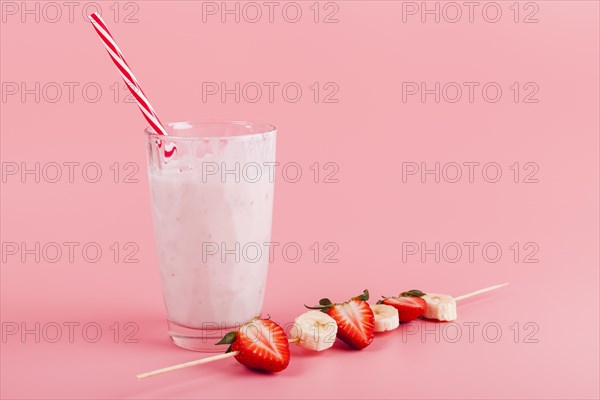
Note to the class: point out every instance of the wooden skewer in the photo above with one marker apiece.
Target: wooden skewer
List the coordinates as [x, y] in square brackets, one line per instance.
[192, 363]
[187, 364]
[475, 293]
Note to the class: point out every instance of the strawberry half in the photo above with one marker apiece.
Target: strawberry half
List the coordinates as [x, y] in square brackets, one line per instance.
[260, 344]
[354, 318]
[409, 304]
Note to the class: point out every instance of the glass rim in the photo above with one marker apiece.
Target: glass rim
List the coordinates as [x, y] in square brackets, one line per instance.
[267, 130]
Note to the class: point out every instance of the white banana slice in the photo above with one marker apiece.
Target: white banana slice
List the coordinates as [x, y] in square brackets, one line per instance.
[386, 317]
[315, 330]
[440, 306]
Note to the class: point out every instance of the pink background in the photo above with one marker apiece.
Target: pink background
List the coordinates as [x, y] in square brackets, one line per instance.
[368, 53]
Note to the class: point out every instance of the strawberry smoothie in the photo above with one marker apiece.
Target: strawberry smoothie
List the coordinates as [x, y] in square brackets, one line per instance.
[209, 200]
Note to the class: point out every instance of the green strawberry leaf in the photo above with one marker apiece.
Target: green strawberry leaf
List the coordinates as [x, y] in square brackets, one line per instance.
[229, 338]
[364, 296]
[413, 293]
[323, 308]
[325, 302]
[324, 305]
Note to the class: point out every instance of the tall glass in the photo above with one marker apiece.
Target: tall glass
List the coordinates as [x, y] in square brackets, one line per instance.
[212, 202]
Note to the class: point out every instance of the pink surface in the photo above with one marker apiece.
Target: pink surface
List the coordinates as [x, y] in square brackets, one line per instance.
[371, 213]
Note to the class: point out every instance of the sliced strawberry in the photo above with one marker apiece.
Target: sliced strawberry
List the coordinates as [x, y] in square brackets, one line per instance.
[261, 344]
[409, 304]
[356, 323]
[354, 318]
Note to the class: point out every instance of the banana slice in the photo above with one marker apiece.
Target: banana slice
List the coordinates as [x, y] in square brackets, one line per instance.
[386, 317]
[315, 330]
[440, 306]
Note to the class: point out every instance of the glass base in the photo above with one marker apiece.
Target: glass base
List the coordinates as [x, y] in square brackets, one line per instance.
[197, 339]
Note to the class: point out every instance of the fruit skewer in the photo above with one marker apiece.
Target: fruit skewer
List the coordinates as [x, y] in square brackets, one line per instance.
[281, 363]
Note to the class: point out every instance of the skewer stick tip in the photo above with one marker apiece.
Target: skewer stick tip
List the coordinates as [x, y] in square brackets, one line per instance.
[480, 291]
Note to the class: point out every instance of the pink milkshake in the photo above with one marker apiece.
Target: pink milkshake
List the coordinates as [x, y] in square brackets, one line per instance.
[211, 201]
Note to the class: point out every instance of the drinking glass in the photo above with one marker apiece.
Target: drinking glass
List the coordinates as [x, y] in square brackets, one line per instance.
[211, 189]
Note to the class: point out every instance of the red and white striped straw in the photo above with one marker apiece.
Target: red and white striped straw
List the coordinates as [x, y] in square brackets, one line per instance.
[134, 87]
